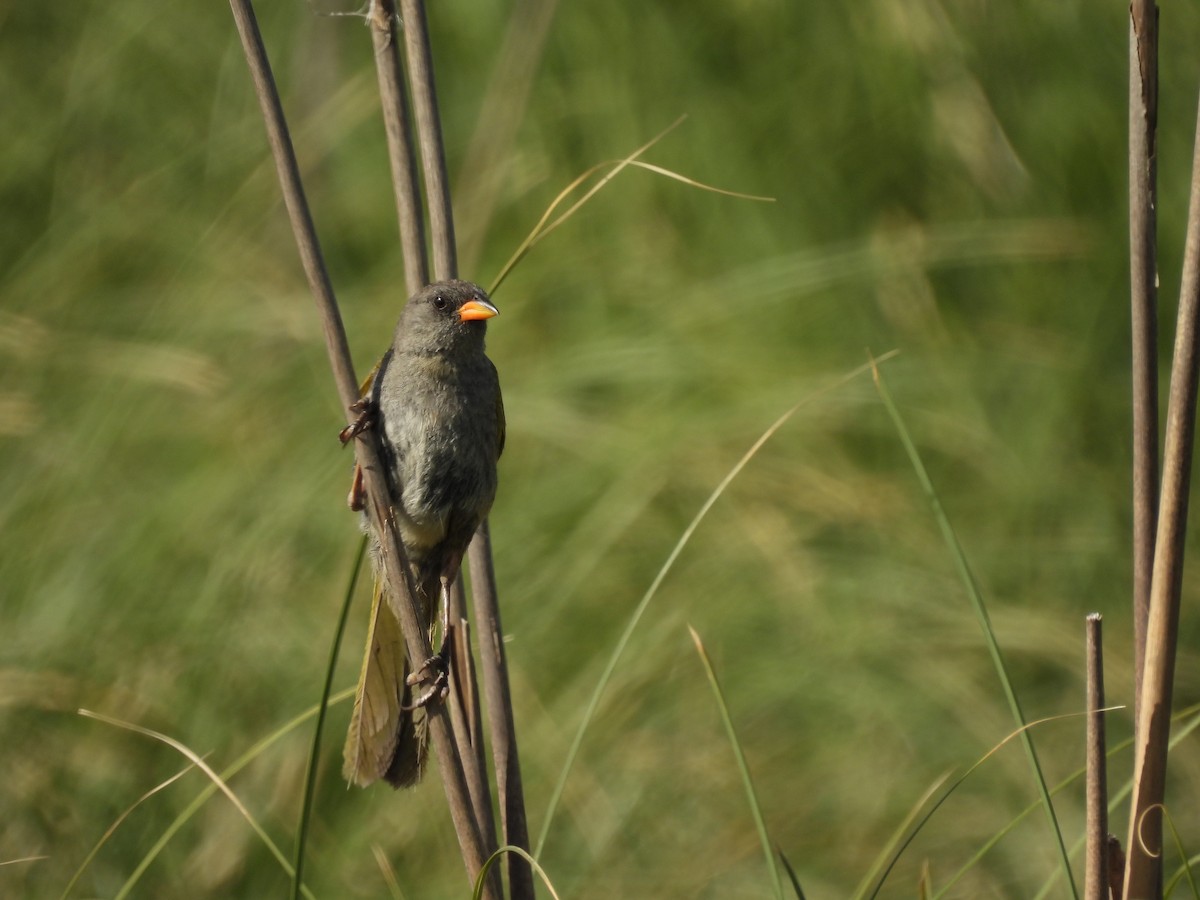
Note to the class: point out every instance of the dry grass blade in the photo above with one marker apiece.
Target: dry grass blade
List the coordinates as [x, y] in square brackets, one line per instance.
[216, 779]
[389, 874]
[760, 823]
[953, 787]
[524, 854]
[210, 790]
[111, 830]
[692, 182]
[640, 610]
[1190, 723]
[1016, 820]
[898, 841]
[541, 229]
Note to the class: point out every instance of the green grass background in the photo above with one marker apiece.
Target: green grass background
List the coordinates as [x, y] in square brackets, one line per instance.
[950, 182]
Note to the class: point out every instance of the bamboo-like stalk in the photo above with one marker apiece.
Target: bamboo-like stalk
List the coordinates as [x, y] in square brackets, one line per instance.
[367, 448]
[501, 726]
[1143, 872]
[397, 125]
[464, 710]
[1143, 277]
[1095, 880]
[419, 67]
[433, 155]
[483, 578]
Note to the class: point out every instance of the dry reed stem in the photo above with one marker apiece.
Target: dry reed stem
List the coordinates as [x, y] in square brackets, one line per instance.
[1095, 881]
[367, 447]
[483, 579]
[398, 127]
[1143, 274]
[1144, 849]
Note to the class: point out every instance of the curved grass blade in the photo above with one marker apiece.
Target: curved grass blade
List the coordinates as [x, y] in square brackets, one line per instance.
[541, 229]
[897, 843]
[699, 185]
[539, 232]
[87, 860]
[743, 767]
[208, 792]
[791, 873]
[204, 767]
[1186, 867]
[946, 796]
[976, 598]
[495, 857]
[314, 753]
[1119, 800]
[640, 610]
[389, 874]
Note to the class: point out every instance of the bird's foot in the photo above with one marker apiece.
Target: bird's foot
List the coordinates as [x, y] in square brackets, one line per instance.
[435, 672]
[366, 412]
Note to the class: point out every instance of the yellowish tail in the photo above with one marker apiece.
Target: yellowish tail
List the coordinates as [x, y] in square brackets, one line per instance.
[384, 741]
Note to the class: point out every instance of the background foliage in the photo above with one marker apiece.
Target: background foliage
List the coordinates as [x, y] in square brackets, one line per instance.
[950, 182]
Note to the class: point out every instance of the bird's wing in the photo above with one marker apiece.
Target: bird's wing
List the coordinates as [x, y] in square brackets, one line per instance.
[375, 722]
[367, 385]
[500, 423]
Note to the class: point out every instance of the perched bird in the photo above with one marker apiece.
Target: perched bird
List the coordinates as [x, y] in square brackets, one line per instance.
[436, 400]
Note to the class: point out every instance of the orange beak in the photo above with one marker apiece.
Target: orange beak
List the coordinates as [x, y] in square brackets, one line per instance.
[476, 310]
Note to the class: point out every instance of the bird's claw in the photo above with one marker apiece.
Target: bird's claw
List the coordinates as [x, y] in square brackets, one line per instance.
[366, 414]
[434, 671]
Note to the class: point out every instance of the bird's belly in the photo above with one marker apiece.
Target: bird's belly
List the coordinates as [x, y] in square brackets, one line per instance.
[441, 480]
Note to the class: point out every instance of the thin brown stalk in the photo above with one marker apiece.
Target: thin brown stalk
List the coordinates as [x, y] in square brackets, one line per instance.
[1095, 881]
[464, 708]
[433, 154]
[483, 577]
[501, 726]
[1143, 274]
[1142, 874]
[419, 59]
[397, 124]
[367, 447]
[402, 154]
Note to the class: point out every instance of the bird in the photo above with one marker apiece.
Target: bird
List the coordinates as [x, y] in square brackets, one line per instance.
[435, 401]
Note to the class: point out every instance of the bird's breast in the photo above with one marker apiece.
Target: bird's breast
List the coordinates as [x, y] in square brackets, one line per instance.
[442, 434]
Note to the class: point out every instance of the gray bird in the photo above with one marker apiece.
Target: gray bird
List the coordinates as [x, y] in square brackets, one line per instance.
[436, 399]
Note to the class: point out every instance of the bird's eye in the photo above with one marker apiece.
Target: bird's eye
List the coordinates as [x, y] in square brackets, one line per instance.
[439, 302]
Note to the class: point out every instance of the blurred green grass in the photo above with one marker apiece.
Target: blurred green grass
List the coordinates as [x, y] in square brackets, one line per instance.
[950, 182]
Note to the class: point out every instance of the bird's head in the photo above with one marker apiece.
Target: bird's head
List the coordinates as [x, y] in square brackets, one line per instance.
[444, 316]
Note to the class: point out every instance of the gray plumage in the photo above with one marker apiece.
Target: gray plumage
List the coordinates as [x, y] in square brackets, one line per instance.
[437, 398]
